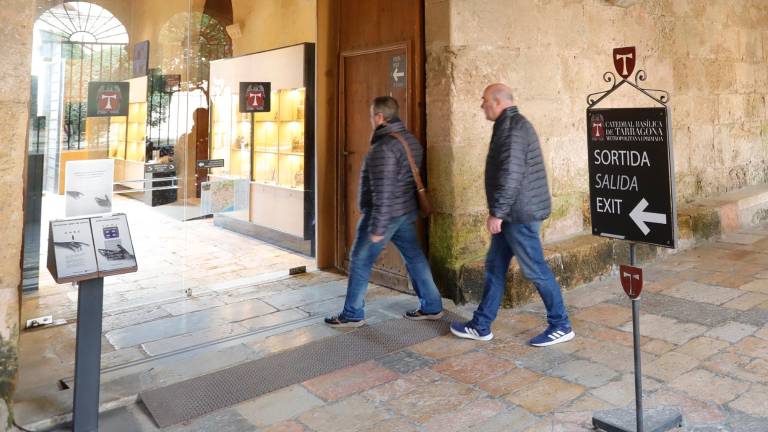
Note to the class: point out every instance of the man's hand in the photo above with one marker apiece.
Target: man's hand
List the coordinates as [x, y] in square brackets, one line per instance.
[493, 224]
[376, 238]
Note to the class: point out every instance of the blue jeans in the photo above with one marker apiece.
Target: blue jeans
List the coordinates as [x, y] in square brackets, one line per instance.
[522, 241]
[402, 232]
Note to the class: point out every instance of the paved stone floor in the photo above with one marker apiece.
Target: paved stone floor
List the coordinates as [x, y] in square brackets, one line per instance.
[704, 344]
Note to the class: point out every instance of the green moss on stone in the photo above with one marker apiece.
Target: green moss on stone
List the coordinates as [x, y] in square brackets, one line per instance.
[8, 368]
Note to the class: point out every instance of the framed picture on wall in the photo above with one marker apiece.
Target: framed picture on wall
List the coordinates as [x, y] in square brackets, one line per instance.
[140, 59]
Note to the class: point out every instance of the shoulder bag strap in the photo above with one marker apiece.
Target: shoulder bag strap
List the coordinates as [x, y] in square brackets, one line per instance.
[414, 168]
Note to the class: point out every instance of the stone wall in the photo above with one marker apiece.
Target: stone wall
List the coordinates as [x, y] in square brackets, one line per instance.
[16, 19]
[711, 56]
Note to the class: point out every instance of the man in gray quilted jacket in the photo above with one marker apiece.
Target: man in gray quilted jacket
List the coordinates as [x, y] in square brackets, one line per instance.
[518, 201]
[389, 210]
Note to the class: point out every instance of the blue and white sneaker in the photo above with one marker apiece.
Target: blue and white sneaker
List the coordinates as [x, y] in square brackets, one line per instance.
[467, 331]
[553, 335]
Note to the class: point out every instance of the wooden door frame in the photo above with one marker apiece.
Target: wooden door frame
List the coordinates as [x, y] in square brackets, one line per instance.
[341, 209]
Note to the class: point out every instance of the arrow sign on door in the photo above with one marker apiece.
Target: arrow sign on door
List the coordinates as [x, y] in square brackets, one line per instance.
[396, 75]
[640, 216]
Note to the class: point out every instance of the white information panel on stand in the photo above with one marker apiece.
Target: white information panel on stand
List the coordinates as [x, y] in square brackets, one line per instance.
[73, 251]
[89, 248]
[112, 242]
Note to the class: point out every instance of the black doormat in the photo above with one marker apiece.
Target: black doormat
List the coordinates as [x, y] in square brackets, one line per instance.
[195, 397]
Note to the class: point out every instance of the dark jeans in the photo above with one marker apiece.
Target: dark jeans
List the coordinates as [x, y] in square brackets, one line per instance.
[521, 241]
[402, 232]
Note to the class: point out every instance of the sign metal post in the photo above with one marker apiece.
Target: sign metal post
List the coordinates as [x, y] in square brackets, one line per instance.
[631, 187]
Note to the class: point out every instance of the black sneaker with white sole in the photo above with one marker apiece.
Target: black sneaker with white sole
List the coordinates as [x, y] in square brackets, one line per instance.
[340, 321]
[418, 315]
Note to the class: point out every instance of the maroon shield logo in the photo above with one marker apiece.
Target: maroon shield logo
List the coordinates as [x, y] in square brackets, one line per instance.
[597, 127]
[109, 101]
[631, 280]
[624, 61]
[256, 98]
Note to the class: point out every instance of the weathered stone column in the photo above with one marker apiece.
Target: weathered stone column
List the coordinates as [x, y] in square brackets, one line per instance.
[16, 21]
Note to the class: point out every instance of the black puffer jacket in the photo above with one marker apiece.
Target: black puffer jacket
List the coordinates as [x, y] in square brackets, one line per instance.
[515, 178]
[387, 188]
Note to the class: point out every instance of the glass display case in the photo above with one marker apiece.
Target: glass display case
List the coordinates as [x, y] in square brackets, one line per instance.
[273, 150]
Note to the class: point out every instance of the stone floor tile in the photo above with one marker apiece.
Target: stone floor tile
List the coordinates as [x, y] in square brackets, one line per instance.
[700, 292]
[621, 392]
[732, 331]
[746, 423]
[657, 346]
[227, 420]
[605, 314]
[685, 310]
[465, 417]
[584, 297]
[670, 365]
[508, 349]
[405, 361]
[757, 317]
[273, 319]
[402, 386]
[585, 373]
[193, 304]
[125, 319]
[754, 402]
[121, 357]
[735, 280]
[544, 359]
[278, 406]
[734, 365]
[345, 382]
[616, 357]
[292, 339]
[746, 301]
[445, 346]
[440, 397]
[752, 346]
[702, 347]
[666, 329]
[757, 285]
[705, 386]
[514, 420]
[587, 402]
[762, 333]
[287, 426]
[473, 367]
[392, 425]
[513, 322]
[762, 275]
[546, 395]
[354, 413]
[509, 382]
[694, 411]
[175, 343]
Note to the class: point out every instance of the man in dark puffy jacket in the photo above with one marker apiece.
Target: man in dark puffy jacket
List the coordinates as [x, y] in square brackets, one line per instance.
[518, 201]
[389, 207]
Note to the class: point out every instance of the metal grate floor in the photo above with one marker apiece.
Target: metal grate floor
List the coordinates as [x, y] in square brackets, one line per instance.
[195, 397]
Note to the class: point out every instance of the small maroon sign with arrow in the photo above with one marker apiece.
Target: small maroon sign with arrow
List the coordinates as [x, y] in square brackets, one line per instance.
[631, 280]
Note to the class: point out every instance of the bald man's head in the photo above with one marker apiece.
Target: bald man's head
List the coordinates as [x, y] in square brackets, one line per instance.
[496, 98]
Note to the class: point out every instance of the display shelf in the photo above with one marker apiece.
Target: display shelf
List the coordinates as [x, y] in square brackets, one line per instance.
[136, 132]
[231, 133]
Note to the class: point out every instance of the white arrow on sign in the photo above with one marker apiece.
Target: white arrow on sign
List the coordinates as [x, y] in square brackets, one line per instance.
[396, 74]
[641, 217]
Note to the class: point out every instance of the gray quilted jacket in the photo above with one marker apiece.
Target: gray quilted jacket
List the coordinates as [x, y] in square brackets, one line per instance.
[387, 188]
[515, 179]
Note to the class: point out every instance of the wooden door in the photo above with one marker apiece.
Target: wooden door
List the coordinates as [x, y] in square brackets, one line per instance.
[385, 59]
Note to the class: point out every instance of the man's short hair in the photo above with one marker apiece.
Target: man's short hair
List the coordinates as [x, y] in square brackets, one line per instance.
[387, 106]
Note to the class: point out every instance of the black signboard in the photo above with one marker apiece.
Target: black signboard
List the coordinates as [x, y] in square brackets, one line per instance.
[255, 97]
[140, 59]
[631, 184]
[210, 163]
[107, 99]
[159, 168]
[397, 71]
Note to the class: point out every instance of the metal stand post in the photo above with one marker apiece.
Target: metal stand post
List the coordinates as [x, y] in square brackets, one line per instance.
[659, 419]
[88, 355]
